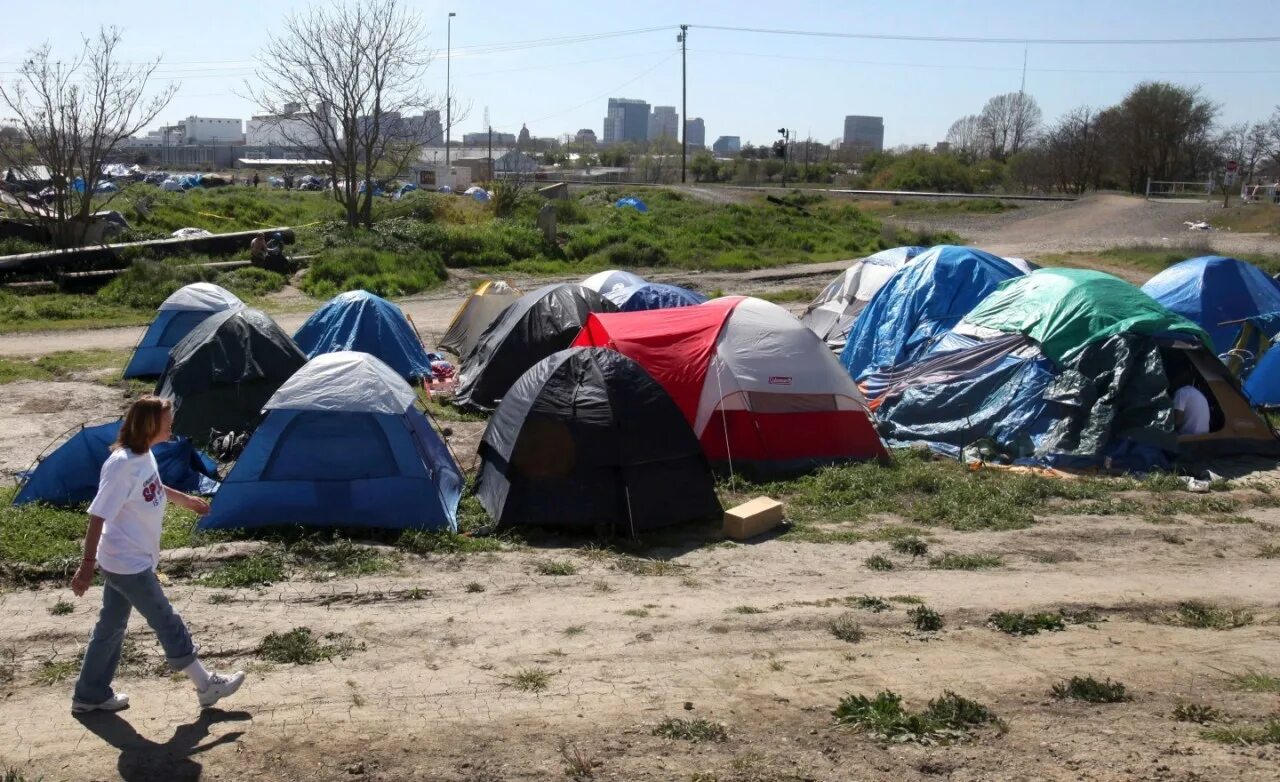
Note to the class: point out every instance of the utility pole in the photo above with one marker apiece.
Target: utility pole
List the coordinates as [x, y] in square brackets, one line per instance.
[786, 141]
[491, 155]
[683, 38]
[448, 98]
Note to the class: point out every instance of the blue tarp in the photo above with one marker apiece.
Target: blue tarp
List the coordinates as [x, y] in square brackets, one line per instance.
[1262, 386]
[653, 296]
[361, 321]
[69, 475]
[341, 469]
[918, 304]
[1212, 291]
[633, 202]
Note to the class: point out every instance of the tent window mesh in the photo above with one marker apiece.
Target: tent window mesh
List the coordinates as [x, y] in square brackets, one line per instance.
[327, 446]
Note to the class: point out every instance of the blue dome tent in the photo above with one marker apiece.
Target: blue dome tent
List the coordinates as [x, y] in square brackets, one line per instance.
[1219, 295]
[633, 202]
[342, 446]
[653, 296]
[919, 303]
[361, 321]
[185, 309]
[69, 475]
[614, 279]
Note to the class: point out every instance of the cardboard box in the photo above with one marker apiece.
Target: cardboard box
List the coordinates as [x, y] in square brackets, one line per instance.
[752, 518]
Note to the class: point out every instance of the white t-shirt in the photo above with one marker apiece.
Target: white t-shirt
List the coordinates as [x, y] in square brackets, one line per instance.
[1194, 408]
[131, 501]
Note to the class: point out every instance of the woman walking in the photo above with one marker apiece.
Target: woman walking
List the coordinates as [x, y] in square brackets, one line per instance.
[124, 540]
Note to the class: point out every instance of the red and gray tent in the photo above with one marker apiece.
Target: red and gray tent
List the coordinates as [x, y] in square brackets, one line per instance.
[587, 439]
[762, 392]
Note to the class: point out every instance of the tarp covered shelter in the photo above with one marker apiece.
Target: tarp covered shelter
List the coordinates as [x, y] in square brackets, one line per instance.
[611, 280]
[918, 304]
[528, 330]
[480, 309]
[632, 202]
[1221, 295]
[587, 439]
[1066, 368]
[653, 296]
[185, 308]
[360, 321]
[832, 312]
[342, 445]
[762, 392]
[222, 373]
[69, 474]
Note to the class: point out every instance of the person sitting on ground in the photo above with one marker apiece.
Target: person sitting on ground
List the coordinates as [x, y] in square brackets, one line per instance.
[258, 248]
[1190, 406]
[125, 521]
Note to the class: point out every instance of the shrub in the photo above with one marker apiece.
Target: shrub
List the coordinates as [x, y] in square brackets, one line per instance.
[1090, 690]
[925, 619]
[695, 730]
[948, 718]
[381, 272]
[1018, 623]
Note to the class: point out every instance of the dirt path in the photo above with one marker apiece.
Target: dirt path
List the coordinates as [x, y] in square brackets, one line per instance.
[428, 692]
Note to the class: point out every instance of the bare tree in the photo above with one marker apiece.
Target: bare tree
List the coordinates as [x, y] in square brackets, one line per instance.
[1247, 144]
[1008, 123]
[353, 71]
[1074, 149]
[965, 137]
[72, 116]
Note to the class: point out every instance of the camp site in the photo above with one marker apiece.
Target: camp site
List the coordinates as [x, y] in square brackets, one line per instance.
[405, 433]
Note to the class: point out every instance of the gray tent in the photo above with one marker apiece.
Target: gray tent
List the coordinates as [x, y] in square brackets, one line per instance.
[476, 313]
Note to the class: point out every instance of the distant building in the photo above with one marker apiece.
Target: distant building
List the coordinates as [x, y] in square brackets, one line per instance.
[192, 131]
[425, 130]
[290, 128]
[627, 120]
[664, 121]
[522, 140]
[727, 145]
[864, 134]
[585, 137]
[481, 139]
[696, 133]
[942, 147]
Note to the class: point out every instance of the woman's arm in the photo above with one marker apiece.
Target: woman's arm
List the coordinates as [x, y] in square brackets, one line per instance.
[194, 504]
[84, 574]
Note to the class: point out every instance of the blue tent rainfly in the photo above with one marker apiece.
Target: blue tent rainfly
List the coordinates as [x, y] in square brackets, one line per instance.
[633, 202]
[185, 309]
[363, 322]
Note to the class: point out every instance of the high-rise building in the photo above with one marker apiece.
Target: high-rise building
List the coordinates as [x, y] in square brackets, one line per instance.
[585, 137]
[864, 134]
[696, 132]
[481, 139]
[727, 145]
[664, 121]
[627, 120]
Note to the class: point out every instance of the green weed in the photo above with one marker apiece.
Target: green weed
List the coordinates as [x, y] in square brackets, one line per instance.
[474, 587]
[1199, 614]
[1196, 712]
[1266, 733]
[952, 561]
[1018, 623]
[910, 545]
[925, 619]
[846, 628]
[61, 608]
[870, 603]
[878, 562]
[261, 569]
[53, 672]
[694, 730]
[553, 567]
[946, 719]
[300, 647]
[747, 610]
[1253, 681]
[529, 679]
[1090, 690]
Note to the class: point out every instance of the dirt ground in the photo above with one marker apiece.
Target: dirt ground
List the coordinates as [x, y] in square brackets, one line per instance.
[734, 634]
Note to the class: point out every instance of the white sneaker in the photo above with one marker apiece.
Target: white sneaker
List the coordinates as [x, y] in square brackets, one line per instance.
[114, 703]
[220, 686]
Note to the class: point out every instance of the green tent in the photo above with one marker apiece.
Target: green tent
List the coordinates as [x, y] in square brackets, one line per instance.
[1065, 310]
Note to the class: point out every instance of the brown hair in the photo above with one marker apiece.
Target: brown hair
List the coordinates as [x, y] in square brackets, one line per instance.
[142, 423]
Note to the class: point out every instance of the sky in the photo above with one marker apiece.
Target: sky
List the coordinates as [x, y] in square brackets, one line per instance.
[741, 83]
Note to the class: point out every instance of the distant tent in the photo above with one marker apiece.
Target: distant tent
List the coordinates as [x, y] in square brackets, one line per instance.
[761, 391]
[220, 375]
[69, 474]
[1066, 368]
[632, 202]
[918, 304]
[531, 328]
[185, 308]
[476, 313]
[586, 438]
[608, 281]
[342, 446]
[832, 312]
[478, 193]
[653, 296]
[363, 322]
[1221, 295]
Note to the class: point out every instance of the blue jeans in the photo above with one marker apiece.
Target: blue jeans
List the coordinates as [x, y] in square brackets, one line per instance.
[122, 594]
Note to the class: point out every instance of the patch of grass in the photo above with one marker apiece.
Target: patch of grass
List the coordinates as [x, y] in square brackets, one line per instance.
[416, 593]
[910, 545]
[573, 630]
[639, 566]
[221, 598]
[1090, 690]
[1199, 614]
[946, 719]
[1266, 733]
[786, 295]
[639, 613]
[1018, 623]
[1269, 551]
[925, 619]
[339, 556]
[62, 365]
[953, 561]
[1196, 712]
[1080, 616]
[553, 567]
[694, 730]
[301, 647]
[1252, 681]
[53, 672]
[870, 603]
[261, 569]
[846, 628]
[878, 562]
[577, 763]
[423, 543]
[8, 664]
[474, 587]
[602, 586]
[747, 610]
[61, 608]
[529, 679]
[906, 599]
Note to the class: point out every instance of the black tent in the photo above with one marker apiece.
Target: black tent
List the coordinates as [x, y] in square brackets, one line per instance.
[222, 373]
[531, 328]
[586, 438]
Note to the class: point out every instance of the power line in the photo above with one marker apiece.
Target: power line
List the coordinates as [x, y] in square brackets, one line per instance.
[610, 91]
[976, 39]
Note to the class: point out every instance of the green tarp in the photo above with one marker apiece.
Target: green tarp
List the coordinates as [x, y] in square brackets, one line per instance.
[1065, 310]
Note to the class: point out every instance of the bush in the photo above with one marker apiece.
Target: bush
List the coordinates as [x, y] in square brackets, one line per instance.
[381, 272]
